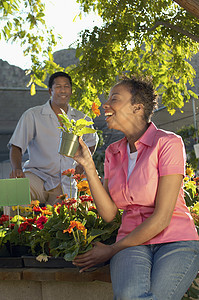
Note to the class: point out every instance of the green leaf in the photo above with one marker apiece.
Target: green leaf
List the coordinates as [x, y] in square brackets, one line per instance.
[5, 5]
[83, 122]
[69, 256]
[86, 131]
[95, 233]
[193, 94]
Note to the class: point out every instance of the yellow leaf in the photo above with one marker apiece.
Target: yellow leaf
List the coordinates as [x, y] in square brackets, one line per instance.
[32, 89]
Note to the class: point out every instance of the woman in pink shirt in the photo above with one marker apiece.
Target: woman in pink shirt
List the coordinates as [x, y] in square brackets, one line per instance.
[156, 254]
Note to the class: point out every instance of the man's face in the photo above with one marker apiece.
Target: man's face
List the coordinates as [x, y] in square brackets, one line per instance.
[61, 91]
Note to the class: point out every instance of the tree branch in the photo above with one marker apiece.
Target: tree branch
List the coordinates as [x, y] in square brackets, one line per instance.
[192, 6]
[174, 27]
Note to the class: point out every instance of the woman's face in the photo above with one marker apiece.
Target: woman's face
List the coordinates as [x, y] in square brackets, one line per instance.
[118, 108]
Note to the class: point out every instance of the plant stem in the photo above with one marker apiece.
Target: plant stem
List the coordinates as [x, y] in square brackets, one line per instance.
[70, 188]
[74, 237]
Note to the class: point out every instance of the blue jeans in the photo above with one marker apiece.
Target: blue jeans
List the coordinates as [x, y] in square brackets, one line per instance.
[154, 272]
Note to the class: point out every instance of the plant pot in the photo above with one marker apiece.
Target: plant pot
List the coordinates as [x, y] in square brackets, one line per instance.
[11, 262]
[19, 250]
[68, 144]
[59, 262]
[4, 252]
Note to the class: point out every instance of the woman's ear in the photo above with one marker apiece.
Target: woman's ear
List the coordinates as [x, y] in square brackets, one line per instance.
[137, 108]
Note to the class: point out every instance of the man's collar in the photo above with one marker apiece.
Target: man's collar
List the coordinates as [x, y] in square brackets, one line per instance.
[47, 110]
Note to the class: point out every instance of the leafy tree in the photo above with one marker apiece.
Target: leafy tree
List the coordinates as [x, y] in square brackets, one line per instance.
[23, 22]
[155, 38]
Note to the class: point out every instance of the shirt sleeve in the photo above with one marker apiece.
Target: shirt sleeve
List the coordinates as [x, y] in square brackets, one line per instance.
[24, 131]
[172, 156]
[91, 139]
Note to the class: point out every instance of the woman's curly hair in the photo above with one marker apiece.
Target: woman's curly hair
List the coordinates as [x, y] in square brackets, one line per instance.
[142, 91]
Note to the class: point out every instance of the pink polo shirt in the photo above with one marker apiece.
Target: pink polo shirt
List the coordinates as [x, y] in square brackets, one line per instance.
[160, 153]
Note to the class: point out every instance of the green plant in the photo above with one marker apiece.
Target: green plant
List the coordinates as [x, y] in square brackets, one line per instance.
[80, 126]
[188, 134]
[72, 227]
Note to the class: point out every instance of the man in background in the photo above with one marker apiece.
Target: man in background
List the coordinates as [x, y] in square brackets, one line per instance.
[37, 131]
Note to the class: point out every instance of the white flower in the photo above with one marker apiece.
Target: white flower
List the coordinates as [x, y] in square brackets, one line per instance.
[42, 257]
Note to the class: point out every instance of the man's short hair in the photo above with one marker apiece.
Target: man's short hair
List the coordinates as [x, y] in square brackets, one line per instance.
[58, 74]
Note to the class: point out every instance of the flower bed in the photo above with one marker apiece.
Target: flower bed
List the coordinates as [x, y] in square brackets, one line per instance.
[63, 230]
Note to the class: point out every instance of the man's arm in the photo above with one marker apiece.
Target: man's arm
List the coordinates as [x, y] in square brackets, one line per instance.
[16, 162]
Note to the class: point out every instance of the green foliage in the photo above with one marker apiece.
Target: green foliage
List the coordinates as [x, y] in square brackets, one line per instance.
[155, 38]
[78, 127]
[23, 22]
[193, 291]
[98, 158]
[52, 240]
[188, 134]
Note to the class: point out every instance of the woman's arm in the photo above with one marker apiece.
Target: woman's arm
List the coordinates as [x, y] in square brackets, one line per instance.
[105, 205]
[166, 197]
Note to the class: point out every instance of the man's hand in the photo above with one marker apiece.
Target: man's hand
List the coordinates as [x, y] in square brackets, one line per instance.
[16, 162]
[17, 173]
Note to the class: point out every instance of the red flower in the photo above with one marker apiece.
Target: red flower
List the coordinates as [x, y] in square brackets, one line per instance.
[41, 221]
[69, 172]
[36, 209]
[4, 218]
[12, 225]
[70, 202]
[79, 177]
[91, 208]
[25, 226]
[32, 221]
[86, 198]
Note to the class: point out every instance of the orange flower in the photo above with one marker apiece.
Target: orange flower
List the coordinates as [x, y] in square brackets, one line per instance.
[69, 172]
[34, 203]
[74, 224]
[62, 197]
[83, 186]
[79, 225]
[95, 109]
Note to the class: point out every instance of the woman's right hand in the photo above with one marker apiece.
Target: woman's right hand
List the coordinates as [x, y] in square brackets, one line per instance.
[83, 155]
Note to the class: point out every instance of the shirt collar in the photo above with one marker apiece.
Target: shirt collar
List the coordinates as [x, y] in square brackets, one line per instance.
[148, 136]
[71, 111]
[147, 139]
[47, 110]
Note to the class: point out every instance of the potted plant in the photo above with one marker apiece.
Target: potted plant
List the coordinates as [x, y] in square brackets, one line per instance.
[72, 227]
[71, 130]
[54, 235]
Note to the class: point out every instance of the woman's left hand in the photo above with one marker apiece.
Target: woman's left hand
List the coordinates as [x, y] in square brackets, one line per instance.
[98, 254]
